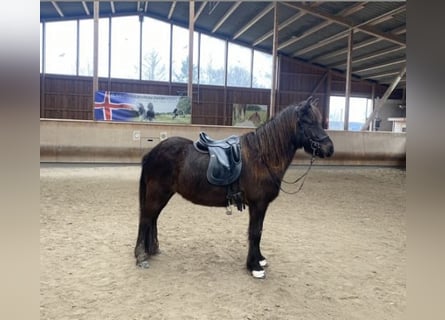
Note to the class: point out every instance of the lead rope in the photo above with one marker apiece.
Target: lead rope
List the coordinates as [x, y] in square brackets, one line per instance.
[314, 146]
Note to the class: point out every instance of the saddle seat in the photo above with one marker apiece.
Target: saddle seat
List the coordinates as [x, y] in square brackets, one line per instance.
[225, 162]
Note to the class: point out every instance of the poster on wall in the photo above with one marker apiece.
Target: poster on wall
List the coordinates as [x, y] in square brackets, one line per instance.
[248, 115]
[139, 107]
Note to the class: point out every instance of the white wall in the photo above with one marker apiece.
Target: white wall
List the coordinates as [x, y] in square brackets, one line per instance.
[112, 142]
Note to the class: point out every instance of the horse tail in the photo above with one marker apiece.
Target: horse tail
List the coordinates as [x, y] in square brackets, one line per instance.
[142, 186]
[144, 238]
[147, 233]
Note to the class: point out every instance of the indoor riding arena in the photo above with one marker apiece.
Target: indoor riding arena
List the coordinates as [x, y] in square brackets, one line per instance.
[316, 113]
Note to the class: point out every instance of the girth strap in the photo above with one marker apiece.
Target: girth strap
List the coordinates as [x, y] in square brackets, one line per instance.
[235, 196]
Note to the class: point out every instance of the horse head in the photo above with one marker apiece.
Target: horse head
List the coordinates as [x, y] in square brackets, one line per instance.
[314, 138]
[141, 108]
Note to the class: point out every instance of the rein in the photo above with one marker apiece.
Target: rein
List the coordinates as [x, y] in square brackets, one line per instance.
[314, 145]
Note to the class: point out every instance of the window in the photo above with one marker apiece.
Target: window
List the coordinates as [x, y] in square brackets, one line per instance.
[155, 50]
[104, 58]
[211, 65]
[122, 55]
[86, 47]
[239, 65]
[125, 47]
[359, 110]
[60, 47]
[180, 52]
[262, 70]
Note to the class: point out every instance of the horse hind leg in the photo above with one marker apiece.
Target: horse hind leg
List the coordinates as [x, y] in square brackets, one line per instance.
[147, 243]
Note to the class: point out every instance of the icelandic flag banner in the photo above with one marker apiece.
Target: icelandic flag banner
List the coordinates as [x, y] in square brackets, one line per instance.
[125, 106]
[116, 106]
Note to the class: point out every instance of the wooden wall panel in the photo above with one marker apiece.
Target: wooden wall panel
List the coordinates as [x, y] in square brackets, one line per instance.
[66, 97]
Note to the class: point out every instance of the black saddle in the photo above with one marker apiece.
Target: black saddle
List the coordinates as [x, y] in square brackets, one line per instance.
[225, 158]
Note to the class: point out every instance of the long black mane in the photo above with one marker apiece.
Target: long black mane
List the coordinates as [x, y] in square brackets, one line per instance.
[279, 137]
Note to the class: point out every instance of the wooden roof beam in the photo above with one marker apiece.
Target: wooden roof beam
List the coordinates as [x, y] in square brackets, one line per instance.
[385, 97]
[360, 27]
[382, 75]
[344, 50]
[172, 9]
[342, 14]
[386, 64]
[56, 6]
[200, 10]
[367, 57]
[352, 9]
[280, 27]
[253, 21]
[226, 16]
[85, 8]
[308, 32]
[399, 30]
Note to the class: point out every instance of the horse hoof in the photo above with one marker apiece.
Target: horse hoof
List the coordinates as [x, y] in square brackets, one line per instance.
[259, 274]
[143, 264]
[263, 263]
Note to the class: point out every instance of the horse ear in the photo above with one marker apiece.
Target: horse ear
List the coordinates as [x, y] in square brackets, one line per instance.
[303, 107]
[307, 104]
[314, 102]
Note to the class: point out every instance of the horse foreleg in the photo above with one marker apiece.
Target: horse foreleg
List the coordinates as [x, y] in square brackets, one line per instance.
[147, 243]
[255, 260]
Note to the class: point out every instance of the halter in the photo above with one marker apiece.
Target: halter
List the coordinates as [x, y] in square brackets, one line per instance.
[315, 145]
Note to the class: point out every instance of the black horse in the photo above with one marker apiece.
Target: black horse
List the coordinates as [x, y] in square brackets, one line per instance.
[175, 166]
[150, 113]
[146, 114]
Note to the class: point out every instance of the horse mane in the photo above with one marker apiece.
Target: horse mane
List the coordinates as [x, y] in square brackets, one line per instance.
[278, 138]
[274, 140]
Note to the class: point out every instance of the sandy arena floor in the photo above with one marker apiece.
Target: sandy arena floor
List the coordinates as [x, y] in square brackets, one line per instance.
[337, 250]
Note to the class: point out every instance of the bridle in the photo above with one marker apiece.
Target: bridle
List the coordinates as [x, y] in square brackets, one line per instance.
[315, 144]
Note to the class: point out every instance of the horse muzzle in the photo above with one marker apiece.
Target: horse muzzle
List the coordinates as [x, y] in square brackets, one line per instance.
[323, 148]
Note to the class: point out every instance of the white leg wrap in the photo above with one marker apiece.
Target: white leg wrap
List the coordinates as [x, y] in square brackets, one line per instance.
[263, 263]
[261, 274]
[143, 264]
